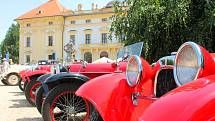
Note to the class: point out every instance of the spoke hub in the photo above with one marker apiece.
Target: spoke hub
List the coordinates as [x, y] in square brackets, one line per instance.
[71, 110]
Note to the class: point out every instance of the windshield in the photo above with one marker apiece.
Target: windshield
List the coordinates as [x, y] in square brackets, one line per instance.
[127, 51]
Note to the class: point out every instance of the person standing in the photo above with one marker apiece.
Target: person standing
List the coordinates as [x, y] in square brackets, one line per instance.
[6, 65]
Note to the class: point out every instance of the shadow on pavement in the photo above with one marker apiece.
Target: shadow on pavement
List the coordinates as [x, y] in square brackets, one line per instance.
[17, 93]
[20, 103]
[29, 119]
[2, 85]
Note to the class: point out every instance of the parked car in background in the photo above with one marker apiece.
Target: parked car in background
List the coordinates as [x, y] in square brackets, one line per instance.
[29, 79]
[53, 106]
[11, 76]
[35, 70]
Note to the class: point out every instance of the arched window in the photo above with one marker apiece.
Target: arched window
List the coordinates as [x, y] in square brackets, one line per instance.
[103, 54]
[88, 57]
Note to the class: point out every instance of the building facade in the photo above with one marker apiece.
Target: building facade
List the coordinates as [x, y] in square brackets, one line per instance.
[44, 31]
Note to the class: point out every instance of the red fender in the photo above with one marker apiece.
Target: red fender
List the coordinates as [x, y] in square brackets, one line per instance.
[111, 96]
[36, 72]
[98, 94]
[194, 101]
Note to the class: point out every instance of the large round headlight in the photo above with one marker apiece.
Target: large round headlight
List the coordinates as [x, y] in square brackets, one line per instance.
[133, 70]
[188, 62]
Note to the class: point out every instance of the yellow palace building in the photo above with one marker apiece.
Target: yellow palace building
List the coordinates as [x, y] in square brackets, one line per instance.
[45, 30]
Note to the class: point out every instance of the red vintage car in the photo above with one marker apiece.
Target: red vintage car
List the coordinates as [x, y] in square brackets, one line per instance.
[61, 97]
[42, 67]
[28, 81]
[146, 93]
[76, 75]
[194, 99]
[36, 71]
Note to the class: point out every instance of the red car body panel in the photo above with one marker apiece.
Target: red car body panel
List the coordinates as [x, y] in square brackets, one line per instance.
[113, 106]
[117, 106]
[95, 70]
[26, 74]
[194, 101]
[91, 70]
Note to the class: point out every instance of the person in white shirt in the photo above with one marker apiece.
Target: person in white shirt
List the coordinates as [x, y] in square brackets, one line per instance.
[6, 65]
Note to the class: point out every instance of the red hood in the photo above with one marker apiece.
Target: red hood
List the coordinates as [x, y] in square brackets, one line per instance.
[194, 101]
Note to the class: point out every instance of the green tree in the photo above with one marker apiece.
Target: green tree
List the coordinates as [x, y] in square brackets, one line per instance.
[163, 25]
[11, 43]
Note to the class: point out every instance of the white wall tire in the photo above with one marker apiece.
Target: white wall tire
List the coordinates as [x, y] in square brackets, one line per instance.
[12, 79]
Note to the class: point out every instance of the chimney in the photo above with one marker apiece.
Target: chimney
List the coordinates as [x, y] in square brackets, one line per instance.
[93, 6]
[79, 7]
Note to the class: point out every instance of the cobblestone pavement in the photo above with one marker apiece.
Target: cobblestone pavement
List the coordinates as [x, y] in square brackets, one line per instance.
[14, 107]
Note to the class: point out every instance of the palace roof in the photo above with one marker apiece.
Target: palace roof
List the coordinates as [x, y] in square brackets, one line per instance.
[50, 8]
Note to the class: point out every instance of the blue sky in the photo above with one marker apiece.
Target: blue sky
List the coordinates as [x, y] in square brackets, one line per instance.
[11, 9]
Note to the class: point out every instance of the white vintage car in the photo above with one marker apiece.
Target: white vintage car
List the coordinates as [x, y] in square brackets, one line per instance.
[10, 76]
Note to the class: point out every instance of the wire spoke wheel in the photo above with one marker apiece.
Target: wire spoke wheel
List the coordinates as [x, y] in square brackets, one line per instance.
[69, 107]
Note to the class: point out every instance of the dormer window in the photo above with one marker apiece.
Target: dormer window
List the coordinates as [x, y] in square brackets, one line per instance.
[40, 11]
[50, 22]
[28, 25]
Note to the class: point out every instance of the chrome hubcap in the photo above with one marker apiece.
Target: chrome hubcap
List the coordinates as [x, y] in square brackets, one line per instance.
[13, 79]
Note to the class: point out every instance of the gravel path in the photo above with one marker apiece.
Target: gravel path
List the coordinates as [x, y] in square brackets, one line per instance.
[14, 107]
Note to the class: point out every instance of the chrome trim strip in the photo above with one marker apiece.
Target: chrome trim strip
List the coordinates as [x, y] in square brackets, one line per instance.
[200, 58]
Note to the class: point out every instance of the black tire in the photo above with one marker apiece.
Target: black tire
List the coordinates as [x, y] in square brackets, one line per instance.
[22, 85]
[4, 82]
[12, 79]
[30, 90]
[39, 98]
[63, 98]
[94, 114]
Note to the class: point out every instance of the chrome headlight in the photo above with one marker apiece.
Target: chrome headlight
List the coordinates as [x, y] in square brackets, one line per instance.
[133, 70]
[188, 62]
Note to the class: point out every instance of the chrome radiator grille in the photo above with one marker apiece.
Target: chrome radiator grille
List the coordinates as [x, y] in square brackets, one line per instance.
[165, 82]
